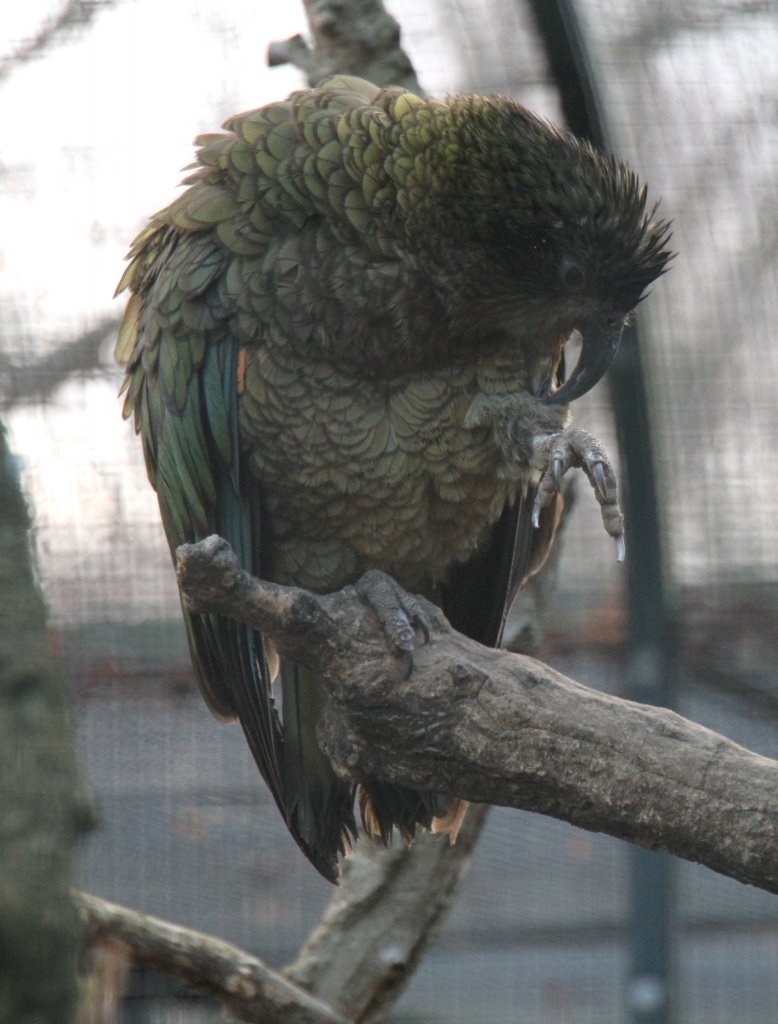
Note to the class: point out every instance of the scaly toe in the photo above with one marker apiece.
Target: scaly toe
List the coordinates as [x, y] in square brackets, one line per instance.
[398, 612]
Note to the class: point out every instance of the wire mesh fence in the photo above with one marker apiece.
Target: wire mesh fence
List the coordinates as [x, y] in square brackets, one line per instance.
[99, 122]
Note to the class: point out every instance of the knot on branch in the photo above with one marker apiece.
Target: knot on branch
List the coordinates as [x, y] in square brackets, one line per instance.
[206, 571]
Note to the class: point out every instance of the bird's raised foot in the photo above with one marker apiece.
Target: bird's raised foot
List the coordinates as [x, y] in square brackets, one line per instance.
[400, 613]
[574, 448]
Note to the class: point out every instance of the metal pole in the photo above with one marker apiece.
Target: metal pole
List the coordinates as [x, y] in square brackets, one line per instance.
[649, 989]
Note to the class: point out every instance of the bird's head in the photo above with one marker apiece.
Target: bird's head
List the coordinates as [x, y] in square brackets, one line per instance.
[538, 233]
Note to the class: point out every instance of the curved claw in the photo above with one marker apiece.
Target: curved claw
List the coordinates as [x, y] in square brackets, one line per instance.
[620, 548]
[598, 475]
[575, 448]
[420, 622]
[556, 470]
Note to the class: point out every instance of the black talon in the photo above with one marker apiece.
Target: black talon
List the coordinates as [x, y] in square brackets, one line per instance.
[407, 665]
[598, 473]
[574, 448]
[556, 470]
[414, 616]
[423, 627]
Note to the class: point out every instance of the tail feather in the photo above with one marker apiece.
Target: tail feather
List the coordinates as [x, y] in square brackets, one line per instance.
[451, 822]
[319, 805]
[385, 806]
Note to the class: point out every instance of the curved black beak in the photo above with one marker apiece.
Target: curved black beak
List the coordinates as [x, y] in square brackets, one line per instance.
[599, 345]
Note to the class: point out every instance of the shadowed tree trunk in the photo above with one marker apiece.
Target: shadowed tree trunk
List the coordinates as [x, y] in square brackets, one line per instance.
[40, 814]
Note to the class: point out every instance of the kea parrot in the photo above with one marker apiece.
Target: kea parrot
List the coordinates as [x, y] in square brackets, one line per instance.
[344, 351]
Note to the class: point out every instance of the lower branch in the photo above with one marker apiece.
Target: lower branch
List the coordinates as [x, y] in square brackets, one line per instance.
[249, 989]
[381, 920]
[353, 966]
[500, 728]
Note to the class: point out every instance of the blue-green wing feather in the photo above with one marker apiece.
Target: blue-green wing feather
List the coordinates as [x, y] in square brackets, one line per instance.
[183, 389]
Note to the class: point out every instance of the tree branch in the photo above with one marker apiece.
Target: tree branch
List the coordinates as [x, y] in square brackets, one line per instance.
[351, 37]
[73, 15]
[333, 979]
[501, 728]
[378, 925]
[250, 989]
[37, 380]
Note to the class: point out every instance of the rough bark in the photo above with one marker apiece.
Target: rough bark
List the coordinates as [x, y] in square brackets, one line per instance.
[379, 923]
[501, 728]
[40, 813]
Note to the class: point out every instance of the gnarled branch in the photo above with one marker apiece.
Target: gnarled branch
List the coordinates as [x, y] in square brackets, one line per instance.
[250, 989]
[494, 727]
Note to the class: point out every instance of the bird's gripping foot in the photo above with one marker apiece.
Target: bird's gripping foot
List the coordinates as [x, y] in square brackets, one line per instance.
[574, 448]
[400, 613]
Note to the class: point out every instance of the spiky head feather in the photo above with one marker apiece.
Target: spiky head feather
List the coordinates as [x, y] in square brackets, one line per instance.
[482, 178]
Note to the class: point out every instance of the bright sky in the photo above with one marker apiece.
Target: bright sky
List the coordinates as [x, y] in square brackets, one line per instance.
[94, 136]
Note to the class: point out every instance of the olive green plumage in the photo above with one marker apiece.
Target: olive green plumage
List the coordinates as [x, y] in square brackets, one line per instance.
[342, 342]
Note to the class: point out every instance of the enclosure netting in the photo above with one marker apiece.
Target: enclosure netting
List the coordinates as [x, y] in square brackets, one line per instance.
[98, 125]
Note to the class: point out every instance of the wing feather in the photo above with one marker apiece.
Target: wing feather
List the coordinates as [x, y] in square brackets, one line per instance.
[182, 388]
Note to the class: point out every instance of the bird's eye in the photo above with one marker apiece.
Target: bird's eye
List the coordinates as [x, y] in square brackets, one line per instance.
[573, 277]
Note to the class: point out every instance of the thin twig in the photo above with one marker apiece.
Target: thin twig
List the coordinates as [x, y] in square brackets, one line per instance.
[73, 15]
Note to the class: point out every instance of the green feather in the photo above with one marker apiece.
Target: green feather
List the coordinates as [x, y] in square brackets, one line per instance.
[213, 393]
